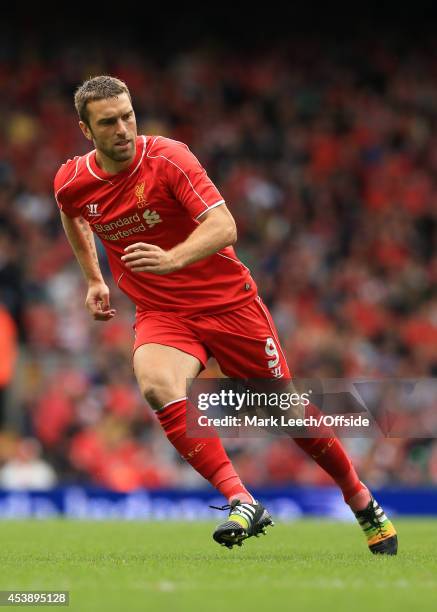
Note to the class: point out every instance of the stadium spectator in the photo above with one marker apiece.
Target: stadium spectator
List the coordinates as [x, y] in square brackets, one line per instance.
[26, 470]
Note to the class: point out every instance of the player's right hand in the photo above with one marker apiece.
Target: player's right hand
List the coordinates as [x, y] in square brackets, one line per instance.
[97, 302]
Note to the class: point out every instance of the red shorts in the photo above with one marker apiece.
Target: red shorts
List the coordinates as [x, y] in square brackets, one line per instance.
[244, 341]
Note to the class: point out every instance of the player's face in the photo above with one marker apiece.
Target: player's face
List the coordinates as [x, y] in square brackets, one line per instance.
[112, 127]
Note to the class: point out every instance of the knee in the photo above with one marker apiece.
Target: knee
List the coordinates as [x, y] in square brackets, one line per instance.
[156, 388]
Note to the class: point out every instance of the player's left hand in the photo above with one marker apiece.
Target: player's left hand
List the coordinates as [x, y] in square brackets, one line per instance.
[143, 257]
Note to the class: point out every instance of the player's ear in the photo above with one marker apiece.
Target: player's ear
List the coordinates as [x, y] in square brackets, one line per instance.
[86, 130]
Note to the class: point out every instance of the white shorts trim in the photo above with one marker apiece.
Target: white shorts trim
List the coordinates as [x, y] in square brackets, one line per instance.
[275, 337]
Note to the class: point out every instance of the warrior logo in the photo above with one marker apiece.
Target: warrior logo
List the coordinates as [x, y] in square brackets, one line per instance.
[92, 210]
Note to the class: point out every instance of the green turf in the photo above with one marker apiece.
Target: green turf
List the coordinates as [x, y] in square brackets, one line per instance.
[306, 565]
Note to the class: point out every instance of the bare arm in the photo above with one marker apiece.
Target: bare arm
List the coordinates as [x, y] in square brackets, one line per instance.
[82, 242]
[215, 231]
[81, 239]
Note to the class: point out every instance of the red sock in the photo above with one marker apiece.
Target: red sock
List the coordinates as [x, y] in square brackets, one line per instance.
[329, 453]
[206, 455]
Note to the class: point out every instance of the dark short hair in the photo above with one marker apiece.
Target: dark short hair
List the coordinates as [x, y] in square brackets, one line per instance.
[97, 88]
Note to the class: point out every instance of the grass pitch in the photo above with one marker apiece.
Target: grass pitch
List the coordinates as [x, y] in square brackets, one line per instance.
[176, 567]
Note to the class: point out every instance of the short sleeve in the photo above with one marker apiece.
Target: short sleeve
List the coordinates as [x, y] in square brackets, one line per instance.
[189, 182]
[65, 175]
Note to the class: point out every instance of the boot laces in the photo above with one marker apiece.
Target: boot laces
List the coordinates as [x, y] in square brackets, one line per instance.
[230, 506]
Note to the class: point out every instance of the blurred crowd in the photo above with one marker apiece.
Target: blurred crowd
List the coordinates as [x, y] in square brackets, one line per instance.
[327, 157]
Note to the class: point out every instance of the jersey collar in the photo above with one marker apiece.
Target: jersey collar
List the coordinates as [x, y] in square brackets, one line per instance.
[101, 175]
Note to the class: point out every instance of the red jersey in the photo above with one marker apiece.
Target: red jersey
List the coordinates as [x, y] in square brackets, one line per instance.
[158, 199]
